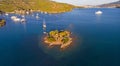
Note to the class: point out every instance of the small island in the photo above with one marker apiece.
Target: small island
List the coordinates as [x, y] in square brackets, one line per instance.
[2, 22]
[61, 38]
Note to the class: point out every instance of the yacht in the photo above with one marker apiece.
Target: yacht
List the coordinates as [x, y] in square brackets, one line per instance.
[15, 18]
[98, 12]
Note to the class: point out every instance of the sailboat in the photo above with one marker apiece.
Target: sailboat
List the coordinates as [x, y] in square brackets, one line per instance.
[44, 24]
[23, 18]
[44, 27]
[37, 16]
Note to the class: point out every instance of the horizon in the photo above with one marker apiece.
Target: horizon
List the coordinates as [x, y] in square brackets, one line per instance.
[85, 2]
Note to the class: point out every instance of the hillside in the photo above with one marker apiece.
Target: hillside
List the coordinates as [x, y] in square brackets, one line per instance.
[113, 4]
[42, 5]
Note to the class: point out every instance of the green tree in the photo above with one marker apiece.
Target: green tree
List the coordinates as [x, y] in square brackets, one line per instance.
[65, 40]
[53, 33]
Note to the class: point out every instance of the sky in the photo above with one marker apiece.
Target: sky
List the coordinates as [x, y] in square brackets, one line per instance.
[86, 2]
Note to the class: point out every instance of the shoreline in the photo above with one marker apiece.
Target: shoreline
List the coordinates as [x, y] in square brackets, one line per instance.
[62, 46]
[51, 12]
[44, 12]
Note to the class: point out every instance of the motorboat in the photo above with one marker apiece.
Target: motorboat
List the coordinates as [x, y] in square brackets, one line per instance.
[98, 12]
[23, 20]
[15, 18]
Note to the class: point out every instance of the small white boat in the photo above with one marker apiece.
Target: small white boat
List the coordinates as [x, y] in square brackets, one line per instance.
[27, 12]
[23, 20]
[45, 32]
[6, 14]
[17, 19]
[45, 13]
[98, 12]
[13, 17]
[37, 17]
[44, 24]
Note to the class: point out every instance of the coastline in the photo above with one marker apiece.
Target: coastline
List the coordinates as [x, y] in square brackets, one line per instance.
[62, 46]
[44, 12]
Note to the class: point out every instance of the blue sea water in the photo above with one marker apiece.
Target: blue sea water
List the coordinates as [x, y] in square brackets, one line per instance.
[96, 39]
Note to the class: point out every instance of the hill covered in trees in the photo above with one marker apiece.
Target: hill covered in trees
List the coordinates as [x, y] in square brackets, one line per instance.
[36, 5]
[113, 4]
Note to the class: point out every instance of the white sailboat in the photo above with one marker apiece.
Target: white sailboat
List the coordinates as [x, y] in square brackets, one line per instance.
[44, 27]
[23, 18]
[45, 32]
[44, 24]
[37, 16]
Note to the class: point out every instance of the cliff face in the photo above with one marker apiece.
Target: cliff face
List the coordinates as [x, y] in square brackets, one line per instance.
[42, 5]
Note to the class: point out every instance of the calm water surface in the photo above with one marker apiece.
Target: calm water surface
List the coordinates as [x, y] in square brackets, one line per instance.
[96, 39]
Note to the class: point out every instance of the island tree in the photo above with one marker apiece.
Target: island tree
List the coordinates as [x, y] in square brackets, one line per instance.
[56, 37]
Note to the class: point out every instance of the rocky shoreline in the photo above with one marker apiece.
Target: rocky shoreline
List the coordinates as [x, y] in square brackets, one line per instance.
[24, 12]
[2, 22]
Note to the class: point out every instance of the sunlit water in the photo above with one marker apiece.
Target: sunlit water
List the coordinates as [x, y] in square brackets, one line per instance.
[96, 39]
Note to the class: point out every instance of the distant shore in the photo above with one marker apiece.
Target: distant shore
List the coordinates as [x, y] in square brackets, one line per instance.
[44, 12]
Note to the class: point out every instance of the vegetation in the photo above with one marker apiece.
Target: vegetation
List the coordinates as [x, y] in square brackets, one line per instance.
[51, 39]
[2, 22]
[58, 38]
[41, 5]
[65, 40]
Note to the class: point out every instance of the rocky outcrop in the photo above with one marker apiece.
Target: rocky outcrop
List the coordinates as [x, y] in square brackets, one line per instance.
[2, 22]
